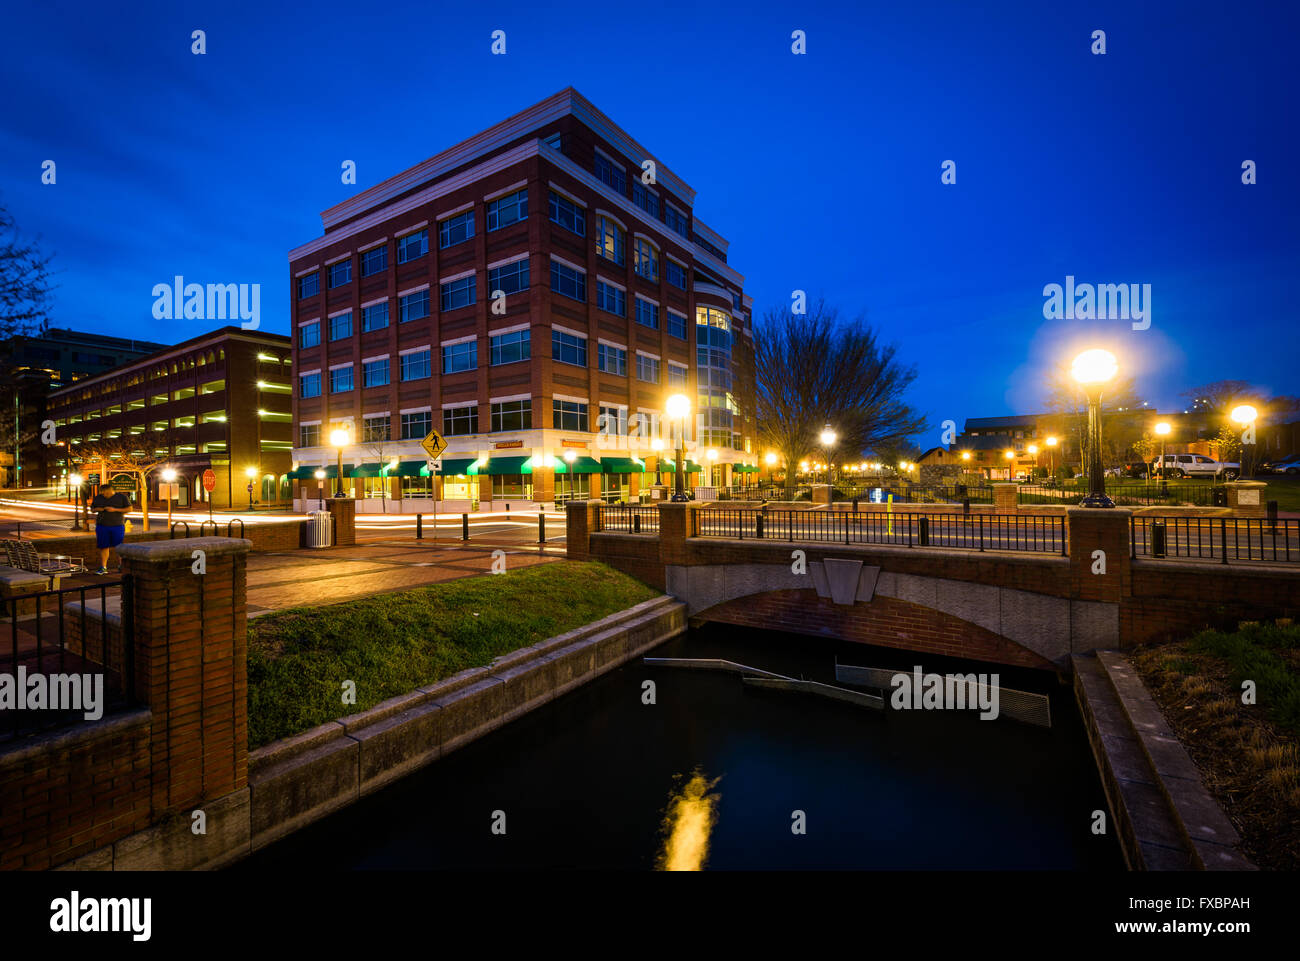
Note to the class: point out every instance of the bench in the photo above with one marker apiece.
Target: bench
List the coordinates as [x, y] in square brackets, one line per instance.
[24, 556]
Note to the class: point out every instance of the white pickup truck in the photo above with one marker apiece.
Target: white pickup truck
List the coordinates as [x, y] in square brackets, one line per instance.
[1195, 465]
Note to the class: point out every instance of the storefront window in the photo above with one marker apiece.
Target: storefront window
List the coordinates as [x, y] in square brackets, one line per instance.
[512, 486]
[417, 486]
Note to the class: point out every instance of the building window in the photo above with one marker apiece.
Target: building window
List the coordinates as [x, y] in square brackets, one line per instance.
[309, 285]
[647, 200]
[647, 369]
[341, 273]
[611, 299]
[509, 278]
[675, 273]
[677, 221]
[309, 435]
[507, 210]
[374, 317]
[569, 415]
[612, 176]
[647, 314]
[374, 373]
[647, 259]
[677, 375]
[309, 385]
[569, 282]
[341, 326]
[374, 260]
[341, 379]
[459, 357]
[612, 360]
[676, 325]
[458, 293]
[460, 420]
[610, 240]
[612, 420]
[512, 415]
[568, 348]
[377, 429]
[416, 426]
[568, 214]
[412, 246]
[509, 348]
[413, 306]
[455, 230]
[415, 366]
[309, 335]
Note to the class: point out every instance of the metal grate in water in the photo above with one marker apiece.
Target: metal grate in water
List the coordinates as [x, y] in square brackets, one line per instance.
[1025, 706]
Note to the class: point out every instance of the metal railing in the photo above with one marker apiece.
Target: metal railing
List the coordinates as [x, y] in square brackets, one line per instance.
[1221, 539]
[981, 532]
[629, 519]
[39, 642]
[1156, 494]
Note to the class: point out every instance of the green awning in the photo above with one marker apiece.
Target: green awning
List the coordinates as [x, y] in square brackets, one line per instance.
[496, 466]
[580, 465]
[744, 468]
[331, 470]
[621, 465]
[693, 468]
[454, 466]
[366, 470]
[303, 473]
[409, 468]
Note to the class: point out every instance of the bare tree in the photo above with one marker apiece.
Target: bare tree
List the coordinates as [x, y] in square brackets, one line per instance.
[814, 369]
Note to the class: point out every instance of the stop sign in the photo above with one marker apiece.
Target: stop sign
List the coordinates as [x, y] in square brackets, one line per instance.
[209, 480]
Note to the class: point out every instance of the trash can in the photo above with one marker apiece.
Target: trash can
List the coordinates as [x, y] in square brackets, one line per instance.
[1158, 539]
[320, 529]
[1219, 496]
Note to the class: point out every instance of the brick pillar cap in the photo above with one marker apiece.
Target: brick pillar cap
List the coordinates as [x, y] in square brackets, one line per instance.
[1098, 512]
[1246, 483]
[1005, 484]
[183, 547]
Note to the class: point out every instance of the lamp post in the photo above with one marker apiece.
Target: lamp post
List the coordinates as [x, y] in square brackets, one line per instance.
[339, 438]
[1010, 455]
[1051, 461]
[712, 456]
[169, 478]
[320, 486]
[678, 407]
[828, 438]
[1093, 369]
[1162, 430]
[1245, 415]
[250, 473]
[76, 480]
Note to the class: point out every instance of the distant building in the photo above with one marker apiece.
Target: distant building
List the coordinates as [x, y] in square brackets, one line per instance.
[220, 401]
[34, 365]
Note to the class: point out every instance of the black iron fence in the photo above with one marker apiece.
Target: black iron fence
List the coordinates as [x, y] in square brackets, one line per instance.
[629, 519]
[1155, 494]
[1221, 539]
[75, 646]
[981, 532]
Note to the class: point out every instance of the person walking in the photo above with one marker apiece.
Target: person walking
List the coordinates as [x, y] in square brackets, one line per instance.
[110, 522]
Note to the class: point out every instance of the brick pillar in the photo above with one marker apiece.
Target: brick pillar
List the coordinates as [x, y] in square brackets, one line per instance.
[484, 489]
[543, 485]
[1246, 498]
[343, 512]
[581, 519]
[821, 493]
[1006, 497]
[676, 522]
[191, 665]
[1091, 529]
[633, 488]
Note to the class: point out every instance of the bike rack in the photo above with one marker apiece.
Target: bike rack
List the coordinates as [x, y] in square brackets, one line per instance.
[171, 535]
[204, 526]
[231, 524]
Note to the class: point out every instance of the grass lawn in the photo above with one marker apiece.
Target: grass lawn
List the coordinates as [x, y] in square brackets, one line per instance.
[1247, 754]
[391, 644]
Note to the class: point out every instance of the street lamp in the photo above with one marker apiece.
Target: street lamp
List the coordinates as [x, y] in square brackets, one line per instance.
[320, 486]
[1245, 416]
[169, 478]
[678, 407]
[1093, 369]
[1051, 463]
[250, 473]
[76, 480]
[1162, 430]
[339, 438]
[828, 438]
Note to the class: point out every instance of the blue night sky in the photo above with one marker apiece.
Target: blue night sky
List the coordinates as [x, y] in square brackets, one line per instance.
[823, 170]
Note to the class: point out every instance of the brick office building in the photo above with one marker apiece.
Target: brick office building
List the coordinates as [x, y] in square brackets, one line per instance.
[221, 400]
[609, 296]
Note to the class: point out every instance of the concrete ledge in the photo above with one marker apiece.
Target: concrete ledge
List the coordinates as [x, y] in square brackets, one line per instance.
[182, 547]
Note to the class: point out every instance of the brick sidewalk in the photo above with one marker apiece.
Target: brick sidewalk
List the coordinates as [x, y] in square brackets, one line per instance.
[318, 578]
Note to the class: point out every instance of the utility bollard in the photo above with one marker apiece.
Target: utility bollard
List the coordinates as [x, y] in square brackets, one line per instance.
[541, 528]
[419, 527]
[464, 527]
[924, 523]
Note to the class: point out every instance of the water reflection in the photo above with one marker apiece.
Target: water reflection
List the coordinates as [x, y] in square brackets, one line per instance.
[688, 823]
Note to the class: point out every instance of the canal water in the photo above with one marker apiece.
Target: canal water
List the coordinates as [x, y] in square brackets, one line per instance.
[713, 773]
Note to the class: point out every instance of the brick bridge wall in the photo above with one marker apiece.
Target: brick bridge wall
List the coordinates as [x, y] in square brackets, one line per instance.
[1027, 609]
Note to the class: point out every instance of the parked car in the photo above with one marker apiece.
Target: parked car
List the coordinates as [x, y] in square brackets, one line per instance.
[1281, 465]
[1195, 465]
